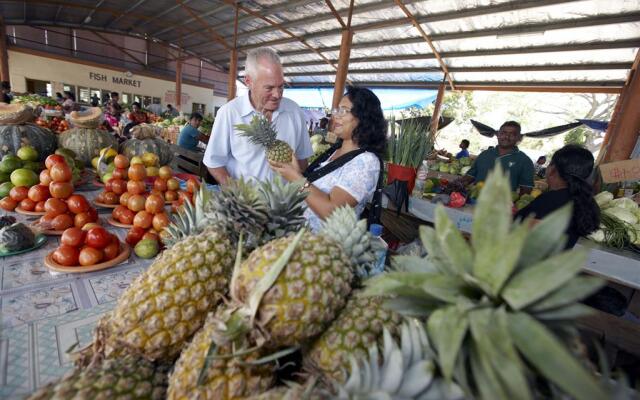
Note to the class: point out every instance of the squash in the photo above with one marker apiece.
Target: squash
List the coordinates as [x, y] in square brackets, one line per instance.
[157, 146]
[16, 237]
[15, 114]
[89, 118]
[86, 142]
[12, 137]
[145, 131]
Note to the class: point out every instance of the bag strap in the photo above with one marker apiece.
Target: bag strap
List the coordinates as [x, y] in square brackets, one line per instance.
[376, 202]
[313, 173]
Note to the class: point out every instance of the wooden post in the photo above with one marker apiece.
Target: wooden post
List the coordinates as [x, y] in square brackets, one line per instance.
[624, 127]
[343, 66]
[4, 54]
[233, 75]
[435, 118]
[179, 85]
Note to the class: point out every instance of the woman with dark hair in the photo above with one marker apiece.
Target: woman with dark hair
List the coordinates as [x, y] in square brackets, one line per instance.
[137, 116]
[568, 179]
[347, 173]
[69, 103]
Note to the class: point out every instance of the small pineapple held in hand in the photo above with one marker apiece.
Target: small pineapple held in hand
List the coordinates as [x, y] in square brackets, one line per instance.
[260, 131]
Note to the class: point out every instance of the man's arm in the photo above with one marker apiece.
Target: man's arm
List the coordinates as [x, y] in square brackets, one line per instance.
[220, 174]
[203, 138]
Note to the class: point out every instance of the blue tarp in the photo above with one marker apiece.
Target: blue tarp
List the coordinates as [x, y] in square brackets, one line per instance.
[391, 99]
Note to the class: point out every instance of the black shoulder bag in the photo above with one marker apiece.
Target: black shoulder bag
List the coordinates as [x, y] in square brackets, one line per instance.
[314, 173]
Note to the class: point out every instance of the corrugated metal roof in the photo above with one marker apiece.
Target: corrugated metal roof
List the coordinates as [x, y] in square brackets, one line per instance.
[587, 43]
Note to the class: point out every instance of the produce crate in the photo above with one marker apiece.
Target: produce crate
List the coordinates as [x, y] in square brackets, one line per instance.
[189, 161]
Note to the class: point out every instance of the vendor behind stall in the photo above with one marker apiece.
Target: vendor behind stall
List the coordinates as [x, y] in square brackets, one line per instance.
[568, 178]
[517, 163]
[464, 152]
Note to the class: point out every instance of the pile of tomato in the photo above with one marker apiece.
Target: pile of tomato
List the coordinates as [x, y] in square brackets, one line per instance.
[56, 124]
[85, 247]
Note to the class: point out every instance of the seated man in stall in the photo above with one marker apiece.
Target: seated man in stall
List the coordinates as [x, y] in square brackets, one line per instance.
[190, 135]
[464, 152]
[516, 163]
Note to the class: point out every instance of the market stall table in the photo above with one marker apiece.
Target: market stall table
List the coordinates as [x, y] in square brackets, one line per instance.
[45, 313]
[619, 266]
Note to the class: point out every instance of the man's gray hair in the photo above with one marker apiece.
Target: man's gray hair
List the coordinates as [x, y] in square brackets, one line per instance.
[255, 56]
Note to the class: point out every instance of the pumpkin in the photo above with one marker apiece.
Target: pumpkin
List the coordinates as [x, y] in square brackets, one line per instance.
[157, 146]
[89, 118]
[15, 114]
[145, 131]
[86, 142]
[12, 137]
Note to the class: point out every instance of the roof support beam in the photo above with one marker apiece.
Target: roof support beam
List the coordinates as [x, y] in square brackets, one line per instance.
[488, 68]
[233, 64]
[343, 62]
[87, 19]
[215, 35]
[624, 128]
[435, 117]
[335, 14]
[4, 55]
[128, 10]
[125, 51]
[427, 39]
[289, 33]
[618, 44]
[188, 21]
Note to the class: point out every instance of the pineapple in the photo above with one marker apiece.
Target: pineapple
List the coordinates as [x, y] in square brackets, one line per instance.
[118, 379]
[491, 306]
[295, 286]
[223, 379]
[261, 132]
[168, 303]
[358, 327]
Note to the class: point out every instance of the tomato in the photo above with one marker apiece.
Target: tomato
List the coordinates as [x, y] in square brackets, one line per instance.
[55, 206]
[62, 222]
[45, 178]
[134, 235]
[108, 185]
[151, 235]
[100, 197]
[119, 173]
[93, 214]
[89, 225]
[192, 185]
[54, 159]
[157, 193]
[19, 193]
[173, 184]
[121, 161]
[184, 196]
[143, 220]
[73, 237]
[39, 207]
[61, 190]
[154, 204]
[160, 184]
[66, 255]
[46, 220]
[98, 237]
[8, 204]
[171, 195]
[38, 193]
[111, 251]
[80, 220]
[127, 217]
[137, 172]
[136, 187]
[117, 212]
[28, 204]
[165, 172]
[124, 197]
[60, 172]
[77, 204]
[110, 198]
[90, 255]
[136, 202]
[119, 186]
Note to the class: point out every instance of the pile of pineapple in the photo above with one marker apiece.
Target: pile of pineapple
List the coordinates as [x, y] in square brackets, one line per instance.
[244, 284]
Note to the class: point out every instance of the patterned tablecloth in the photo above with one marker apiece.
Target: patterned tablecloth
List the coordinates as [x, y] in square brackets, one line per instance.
[44, 313]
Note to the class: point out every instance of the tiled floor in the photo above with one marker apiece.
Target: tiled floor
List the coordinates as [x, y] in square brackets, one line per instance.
[43, 314]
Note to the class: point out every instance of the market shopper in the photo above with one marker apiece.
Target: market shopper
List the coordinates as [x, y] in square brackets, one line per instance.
[190, 136]
[5, 92]
[347, 174]
[230, 155]
[516, 163]
[568, 179]
[137, 116]
[69, 103]
[170, 112]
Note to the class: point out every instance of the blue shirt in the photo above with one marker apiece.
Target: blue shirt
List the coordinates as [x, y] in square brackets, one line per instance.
[188, 137]
[462, 153]
[227, 148]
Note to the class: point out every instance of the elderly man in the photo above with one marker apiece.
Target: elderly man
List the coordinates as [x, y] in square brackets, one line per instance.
[230, 155]
[516, 163]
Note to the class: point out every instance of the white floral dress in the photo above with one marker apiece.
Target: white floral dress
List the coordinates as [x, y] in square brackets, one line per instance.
[358, 177]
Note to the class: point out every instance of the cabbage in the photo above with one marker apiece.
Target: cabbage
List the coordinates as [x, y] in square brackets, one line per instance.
[597, 236]
[464, 170]
[624, 202]
[622, 214]
[603, 198]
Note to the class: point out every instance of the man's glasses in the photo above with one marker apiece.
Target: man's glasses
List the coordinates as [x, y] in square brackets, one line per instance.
[342, 111]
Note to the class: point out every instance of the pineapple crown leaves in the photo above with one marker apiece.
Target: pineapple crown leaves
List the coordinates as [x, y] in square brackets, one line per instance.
[405, 371]
[529, 281]
[343, 227]
[259, 131]
[189, 219]
[286, 207]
